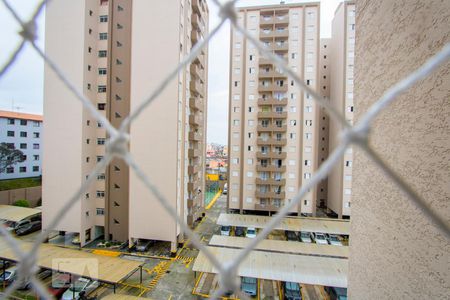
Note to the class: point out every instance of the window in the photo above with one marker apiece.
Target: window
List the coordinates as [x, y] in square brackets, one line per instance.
[11, 121]
[307, 175]
[118, 44]
[22, 169]
[293, 109]
[35, 168]
[292, 136]
[101, 106]
[251, 56]
[101, 71]
[118, 62]
[251, 97]
[249, 161]
[348, 177]
[251, 123]
[103, 19]
[251, 83]
[10, 133]
[23, 146]
[36, 157]
[89, 86]
[252, 70]
[292, 162]
[23, 134]
[101, 176]
[236, 109]
[291, 175]
[294, 55]
[23, 122]
[236, 122]
[100, 194]
[237, 71]
[36, 135]
[308, 122]
[235, 173]
[235, 148]
[236, 97]
[102, 53]
[249, 200]
[10, 145]
[249, 174]
[308, 109]
[348, 163]
[103, 35]
[100, 211]
[237, 45]
[101, 88]
[99, 158]
[347, 191]
[9, 170]
[250, 135]
[119, 8]
[101, 141]
[250, 148]
[305, 202]
[308, 136]
[293, 122]
[307, 162]
[90, 31]
[119, 26]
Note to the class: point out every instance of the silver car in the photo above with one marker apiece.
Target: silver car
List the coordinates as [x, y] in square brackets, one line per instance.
[320, 238]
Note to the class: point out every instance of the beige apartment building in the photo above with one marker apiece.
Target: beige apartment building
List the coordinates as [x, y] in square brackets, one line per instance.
[342, 57]
[275, 138]
[117, 52]
[396, 252]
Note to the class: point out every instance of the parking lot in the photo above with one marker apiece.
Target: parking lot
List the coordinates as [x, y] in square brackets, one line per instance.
[165, 277]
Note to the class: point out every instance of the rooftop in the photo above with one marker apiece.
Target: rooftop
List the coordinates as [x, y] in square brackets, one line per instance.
[23, 116]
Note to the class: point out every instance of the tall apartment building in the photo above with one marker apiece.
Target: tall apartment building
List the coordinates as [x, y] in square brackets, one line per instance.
[117, 52]
[23, 132]
[342, 58]
[273, 125]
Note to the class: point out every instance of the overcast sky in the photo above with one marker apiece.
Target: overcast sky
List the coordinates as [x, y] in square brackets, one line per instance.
[21, 89]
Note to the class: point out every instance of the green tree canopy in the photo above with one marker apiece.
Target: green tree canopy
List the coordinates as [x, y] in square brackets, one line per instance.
[9, 156]
[22, 203]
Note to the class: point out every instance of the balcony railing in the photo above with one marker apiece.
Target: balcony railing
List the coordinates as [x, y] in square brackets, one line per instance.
[281, 33]
[195, 120]
[272, 195]
[266, 207]
[270, 168]
[271, 128]
[194, 153]
[196, 104]
[195, 136]
[272, 101]
[270, 181]
[271, 114]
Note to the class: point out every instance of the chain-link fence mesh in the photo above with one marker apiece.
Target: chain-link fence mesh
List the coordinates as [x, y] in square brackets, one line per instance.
[117, 147]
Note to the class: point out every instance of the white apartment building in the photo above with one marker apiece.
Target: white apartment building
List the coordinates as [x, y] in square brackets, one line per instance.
[273, 125]
[23, 132]
[342, 56]
[117, 52]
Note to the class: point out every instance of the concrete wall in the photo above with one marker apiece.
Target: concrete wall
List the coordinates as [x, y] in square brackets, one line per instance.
[396, 252]
[32, 194]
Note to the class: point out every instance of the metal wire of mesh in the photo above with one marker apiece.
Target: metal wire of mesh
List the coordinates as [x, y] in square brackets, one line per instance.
[117, 147]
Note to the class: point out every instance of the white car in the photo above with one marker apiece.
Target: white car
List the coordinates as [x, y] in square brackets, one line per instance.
[251, 232]
[82, 284]
[334, 240]
[225, 230]
[305, 237]
[320, 238]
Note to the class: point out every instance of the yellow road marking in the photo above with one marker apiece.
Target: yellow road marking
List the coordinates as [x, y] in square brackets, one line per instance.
[106, 253]
[213, 200]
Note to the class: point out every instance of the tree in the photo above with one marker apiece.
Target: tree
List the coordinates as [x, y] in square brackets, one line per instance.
[9, 156]
[22, 203]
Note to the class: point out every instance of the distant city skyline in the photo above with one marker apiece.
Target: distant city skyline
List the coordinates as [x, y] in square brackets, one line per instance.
[21, 89]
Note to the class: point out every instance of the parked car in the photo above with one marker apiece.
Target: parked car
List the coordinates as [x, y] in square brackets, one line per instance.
[305, 237]
[291, 235]
[225, 189]
[225, 230]
[82, 284]
[60, 284]
[28, 226]
[320, 238]
[76, 239]
[336, 293]
[239, 231]
[291, 291]
[251, 232]
[248, 286]
[143, 245]
[10, 275]
[334, 240]
[9, 225]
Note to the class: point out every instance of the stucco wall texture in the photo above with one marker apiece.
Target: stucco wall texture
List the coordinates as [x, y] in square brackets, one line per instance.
[396, 252]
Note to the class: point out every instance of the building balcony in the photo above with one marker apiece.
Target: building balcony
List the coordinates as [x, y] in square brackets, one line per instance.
[277, 88]
[280, 47]
[278, 142]
[195, 36]
[195, 70]
[196, 6]
[195, 136]
[195, 120]
[265, 61]
[261, 142]
[196, 87]
[193, 169]
[266, 20]
[194, 153]
[266, 207]
[281, 20]
[196, 104]
[266, 34]
[271, 195]
[265, 88]
[195, 19]
[272, 101]
[272, 114]
[271, 154]
[271, 128]
[263, 74]
[270, 181]
[270, 168]
[193, 188]
[281, 33]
